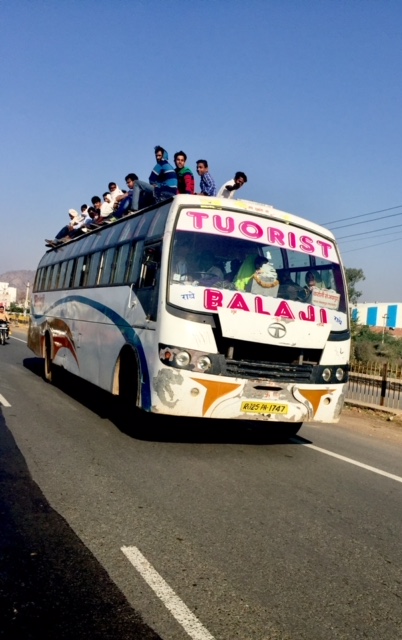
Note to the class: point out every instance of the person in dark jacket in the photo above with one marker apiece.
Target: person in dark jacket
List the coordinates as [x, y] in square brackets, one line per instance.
[163, 177]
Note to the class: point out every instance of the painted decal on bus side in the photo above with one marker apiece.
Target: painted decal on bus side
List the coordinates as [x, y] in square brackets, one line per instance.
[128, 332]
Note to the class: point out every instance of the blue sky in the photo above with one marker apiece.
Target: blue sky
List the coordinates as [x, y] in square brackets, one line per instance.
[304, 96]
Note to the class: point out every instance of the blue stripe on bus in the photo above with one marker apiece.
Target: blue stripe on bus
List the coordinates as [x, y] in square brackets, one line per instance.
[128, 332]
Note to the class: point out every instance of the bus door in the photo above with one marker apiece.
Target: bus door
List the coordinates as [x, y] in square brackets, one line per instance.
[143, 298]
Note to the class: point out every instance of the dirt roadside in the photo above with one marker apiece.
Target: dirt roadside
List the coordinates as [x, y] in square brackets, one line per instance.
[372, 423]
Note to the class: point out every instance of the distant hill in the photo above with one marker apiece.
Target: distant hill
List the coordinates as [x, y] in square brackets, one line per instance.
[19, 280]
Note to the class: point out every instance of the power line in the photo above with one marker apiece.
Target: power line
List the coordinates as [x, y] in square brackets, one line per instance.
[380, 235]
[354, 224]
[377, 244]
[362, 215]
[363, 233]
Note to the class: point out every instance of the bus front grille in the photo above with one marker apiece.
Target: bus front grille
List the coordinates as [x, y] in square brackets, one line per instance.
[277, 371]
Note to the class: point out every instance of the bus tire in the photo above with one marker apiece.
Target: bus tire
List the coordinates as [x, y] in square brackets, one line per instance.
[128, 397]
[52, 371]
[291, 430]
[286, 430]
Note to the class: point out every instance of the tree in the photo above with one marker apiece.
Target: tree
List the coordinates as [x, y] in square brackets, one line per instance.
[353, 276]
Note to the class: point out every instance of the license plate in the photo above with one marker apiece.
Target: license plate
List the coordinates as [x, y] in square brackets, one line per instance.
[263, 407]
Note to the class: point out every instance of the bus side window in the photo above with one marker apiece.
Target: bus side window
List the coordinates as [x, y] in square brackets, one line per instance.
[85, 270]
[55, 276]
[148, 284]
[79, 272]
[133, 263]
[70, 274]
[41, 280]
[36, 286]
[151, 261]
[108, 266]
[62, 274]
[93, 270]
[49, 271]
[122, 255]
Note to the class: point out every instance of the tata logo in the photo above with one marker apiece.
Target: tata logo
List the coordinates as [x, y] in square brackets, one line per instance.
[277, 330]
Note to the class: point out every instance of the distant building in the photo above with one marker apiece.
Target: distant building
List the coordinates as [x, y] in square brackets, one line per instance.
[378, 314]
[7, 294]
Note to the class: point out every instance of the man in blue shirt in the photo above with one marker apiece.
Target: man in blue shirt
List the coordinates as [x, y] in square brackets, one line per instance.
[207, 183]
[139, 196]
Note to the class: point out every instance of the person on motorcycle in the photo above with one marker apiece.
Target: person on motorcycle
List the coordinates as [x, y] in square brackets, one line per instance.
[4, 317]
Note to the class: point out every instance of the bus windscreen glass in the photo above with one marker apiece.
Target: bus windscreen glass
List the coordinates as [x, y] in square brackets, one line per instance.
[241, 261]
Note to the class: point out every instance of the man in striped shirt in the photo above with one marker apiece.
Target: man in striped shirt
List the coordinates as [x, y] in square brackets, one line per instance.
[207, 183]
[163, 177]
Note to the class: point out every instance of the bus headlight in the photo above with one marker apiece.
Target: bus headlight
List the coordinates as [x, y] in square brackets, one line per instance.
[204, 363]
[182, 359]
[339, 374]
[326, 374]
[190, 359]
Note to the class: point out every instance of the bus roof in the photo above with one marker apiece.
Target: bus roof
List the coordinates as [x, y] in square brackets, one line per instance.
[261, 209]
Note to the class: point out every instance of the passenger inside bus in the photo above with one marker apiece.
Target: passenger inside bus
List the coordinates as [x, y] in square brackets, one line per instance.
[257, 275]
[313, 279]
[288, 288]
[210, 272]
[182, 264]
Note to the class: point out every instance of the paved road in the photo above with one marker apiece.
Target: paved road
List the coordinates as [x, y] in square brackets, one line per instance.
[257, 539]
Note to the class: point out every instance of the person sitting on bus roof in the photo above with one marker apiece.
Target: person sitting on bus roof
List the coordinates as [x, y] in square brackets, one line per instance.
[229, 189]
[140, 194]
[207, 183]
[105, 207]
[94, 218]
[72, 229]
[185, 177]
[114, 191]
[163, 177]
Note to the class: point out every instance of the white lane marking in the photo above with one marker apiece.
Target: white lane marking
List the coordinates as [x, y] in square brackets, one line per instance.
[177, 608]
[19, 339]
[351, 461]
[4, 402]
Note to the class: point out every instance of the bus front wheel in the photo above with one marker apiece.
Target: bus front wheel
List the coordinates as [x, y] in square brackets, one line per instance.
[288, 430]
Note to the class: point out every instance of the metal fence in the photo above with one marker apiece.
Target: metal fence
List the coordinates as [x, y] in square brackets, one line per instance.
[375, 384]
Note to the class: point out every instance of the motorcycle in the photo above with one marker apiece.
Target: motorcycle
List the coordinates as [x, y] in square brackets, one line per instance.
[4, 333]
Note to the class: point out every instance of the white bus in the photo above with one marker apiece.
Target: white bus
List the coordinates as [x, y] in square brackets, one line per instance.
[201, 307]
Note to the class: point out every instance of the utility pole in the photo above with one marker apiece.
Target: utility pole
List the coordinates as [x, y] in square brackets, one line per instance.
[385, 316]
[26, 299]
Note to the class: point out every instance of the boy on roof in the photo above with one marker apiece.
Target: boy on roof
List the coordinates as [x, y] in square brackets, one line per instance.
[228, 190]
[207, 183]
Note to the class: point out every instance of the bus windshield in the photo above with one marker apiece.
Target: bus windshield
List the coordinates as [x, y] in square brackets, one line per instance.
[264, 259]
